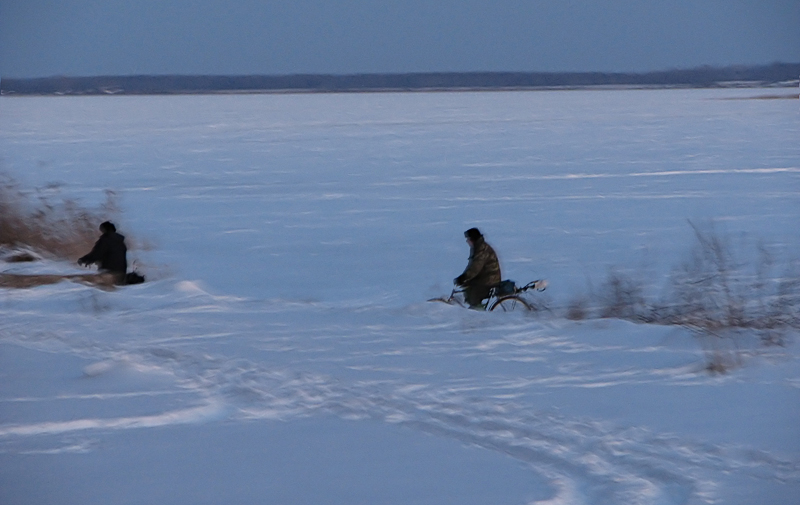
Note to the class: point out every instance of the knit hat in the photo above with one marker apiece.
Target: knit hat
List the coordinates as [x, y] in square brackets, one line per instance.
[108, 227]
[473, 234]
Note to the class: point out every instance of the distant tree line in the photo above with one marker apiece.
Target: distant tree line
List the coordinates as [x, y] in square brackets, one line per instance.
[776, 74]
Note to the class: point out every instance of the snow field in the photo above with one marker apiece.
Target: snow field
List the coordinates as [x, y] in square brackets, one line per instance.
[283, 337]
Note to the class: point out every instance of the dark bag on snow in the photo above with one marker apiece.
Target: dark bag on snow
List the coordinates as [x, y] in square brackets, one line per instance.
[133, 278]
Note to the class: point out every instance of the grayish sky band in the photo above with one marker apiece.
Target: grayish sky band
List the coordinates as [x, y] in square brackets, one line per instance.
[40, 38]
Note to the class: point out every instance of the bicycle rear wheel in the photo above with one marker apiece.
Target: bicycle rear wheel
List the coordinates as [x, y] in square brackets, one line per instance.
[510, 303]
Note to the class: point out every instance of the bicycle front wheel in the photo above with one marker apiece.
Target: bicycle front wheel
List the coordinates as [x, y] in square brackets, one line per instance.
[511, 303]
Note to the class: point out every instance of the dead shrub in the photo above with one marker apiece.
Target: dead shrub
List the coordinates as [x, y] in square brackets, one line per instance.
[622, 297]
[717, 292]
[578, 309]
[43, 222]
[103, 281]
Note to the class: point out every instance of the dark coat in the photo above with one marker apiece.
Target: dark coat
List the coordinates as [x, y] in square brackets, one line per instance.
[483, 269]
[109, 252]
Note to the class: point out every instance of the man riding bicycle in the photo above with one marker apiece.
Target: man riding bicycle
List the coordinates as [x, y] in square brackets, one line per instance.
[482, 272]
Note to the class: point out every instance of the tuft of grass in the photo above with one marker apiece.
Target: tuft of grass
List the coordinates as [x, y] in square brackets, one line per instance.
[578, 309]
[40, 222]
[622, 297]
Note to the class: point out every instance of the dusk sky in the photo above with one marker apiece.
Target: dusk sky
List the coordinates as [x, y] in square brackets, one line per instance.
[41, 38]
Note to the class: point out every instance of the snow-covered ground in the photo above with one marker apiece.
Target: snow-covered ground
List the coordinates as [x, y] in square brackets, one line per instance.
[282, 350]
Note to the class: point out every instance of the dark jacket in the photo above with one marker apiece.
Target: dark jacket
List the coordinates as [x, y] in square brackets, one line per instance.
[483, 269]
[109, 252]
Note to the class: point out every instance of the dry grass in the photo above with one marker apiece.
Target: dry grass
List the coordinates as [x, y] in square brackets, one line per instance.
[39, 223]
[22, 281]
[578, 309]
[719, 292]
[42, 223]
[716, 289]
[623, 298]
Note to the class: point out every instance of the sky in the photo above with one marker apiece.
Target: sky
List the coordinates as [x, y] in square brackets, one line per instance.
[41, 38]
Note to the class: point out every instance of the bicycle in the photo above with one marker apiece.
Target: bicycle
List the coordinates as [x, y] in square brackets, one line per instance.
[504, 296]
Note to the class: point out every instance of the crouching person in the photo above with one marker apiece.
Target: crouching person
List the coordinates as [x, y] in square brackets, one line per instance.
[109, 253]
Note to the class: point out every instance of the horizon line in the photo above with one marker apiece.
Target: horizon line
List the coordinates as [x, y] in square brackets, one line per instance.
[704, 67]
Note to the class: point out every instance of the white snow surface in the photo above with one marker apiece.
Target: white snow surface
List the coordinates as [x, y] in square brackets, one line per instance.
[283, 351]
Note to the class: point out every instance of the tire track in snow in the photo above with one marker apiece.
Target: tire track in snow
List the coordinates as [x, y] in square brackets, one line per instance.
[583, 460]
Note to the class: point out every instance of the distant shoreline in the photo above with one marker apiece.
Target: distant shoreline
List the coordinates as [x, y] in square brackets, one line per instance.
[777, 75]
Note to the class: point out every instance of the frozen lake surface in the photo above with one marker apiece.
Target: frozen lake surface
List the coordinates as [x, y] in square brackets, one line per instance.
[282, 350]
